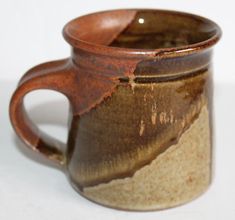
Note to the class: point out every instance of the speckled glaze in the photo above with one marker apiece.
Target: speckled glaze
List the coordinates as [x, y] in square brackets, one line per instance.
[139, 83]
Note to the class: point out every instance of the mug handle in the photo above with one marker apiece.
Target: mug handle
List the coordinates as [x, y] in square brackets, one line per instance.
[55, 75]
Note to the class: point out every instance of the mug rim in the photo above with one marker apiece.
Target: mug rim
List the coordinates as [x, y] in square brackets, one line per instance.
[135, 52]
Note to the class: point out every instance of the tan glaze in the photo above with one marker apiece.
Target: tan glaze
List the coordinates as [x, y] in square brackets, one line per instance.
[139, 83]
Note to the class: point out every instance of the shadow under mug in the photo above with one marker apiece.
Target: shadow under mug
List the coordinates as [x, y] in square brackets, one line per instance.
[139, 84]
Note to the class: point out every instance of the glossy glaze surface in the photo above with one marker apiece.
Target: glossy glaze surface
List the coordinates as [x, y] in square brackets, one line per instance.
[140, 87]
[150, 29]
[133, 126]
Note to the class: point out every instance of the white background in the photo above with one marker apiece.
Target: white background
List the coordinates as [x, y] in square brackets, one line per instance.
[30, 33]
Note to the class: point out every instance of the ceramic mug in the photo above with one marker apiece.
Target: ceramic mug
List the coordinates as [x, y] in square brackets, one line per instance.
[139, 83]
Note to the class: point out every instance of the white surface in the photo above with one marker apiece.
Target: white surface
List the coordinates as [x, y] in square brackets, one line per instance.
[31, 29]
[29, 189]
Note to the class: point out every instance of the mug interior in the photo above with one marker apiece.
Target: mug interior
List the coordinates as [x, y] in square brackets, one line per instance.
[142, 29]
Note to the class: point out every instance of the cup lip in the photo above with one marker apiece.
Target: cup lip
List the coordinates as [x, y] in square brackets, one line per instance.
[135, 52]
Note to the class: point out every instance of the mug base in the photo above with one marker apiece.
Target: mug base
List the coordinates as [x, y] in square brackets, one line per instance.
[157, 207]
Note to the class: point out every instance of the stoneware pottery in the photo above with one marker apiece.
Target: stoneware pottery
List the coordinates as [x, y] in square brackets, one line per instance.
[139, 83]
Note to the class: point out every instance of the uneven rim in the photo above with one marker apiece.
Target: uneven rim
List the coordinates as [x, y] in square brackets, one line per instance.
[134, 52]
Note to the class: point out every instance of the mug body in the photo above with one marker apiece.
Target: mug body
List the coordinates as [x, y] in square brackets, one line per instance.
[144, 138]
[139, 83]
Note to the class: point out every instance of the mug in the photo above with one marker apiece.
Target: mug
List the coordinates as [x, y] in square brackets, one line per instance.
[139, 84]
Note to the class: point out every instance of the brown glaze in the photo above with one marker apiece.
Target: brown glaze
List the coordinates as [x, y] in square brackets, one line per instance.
[138, 82]
[158, 111]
